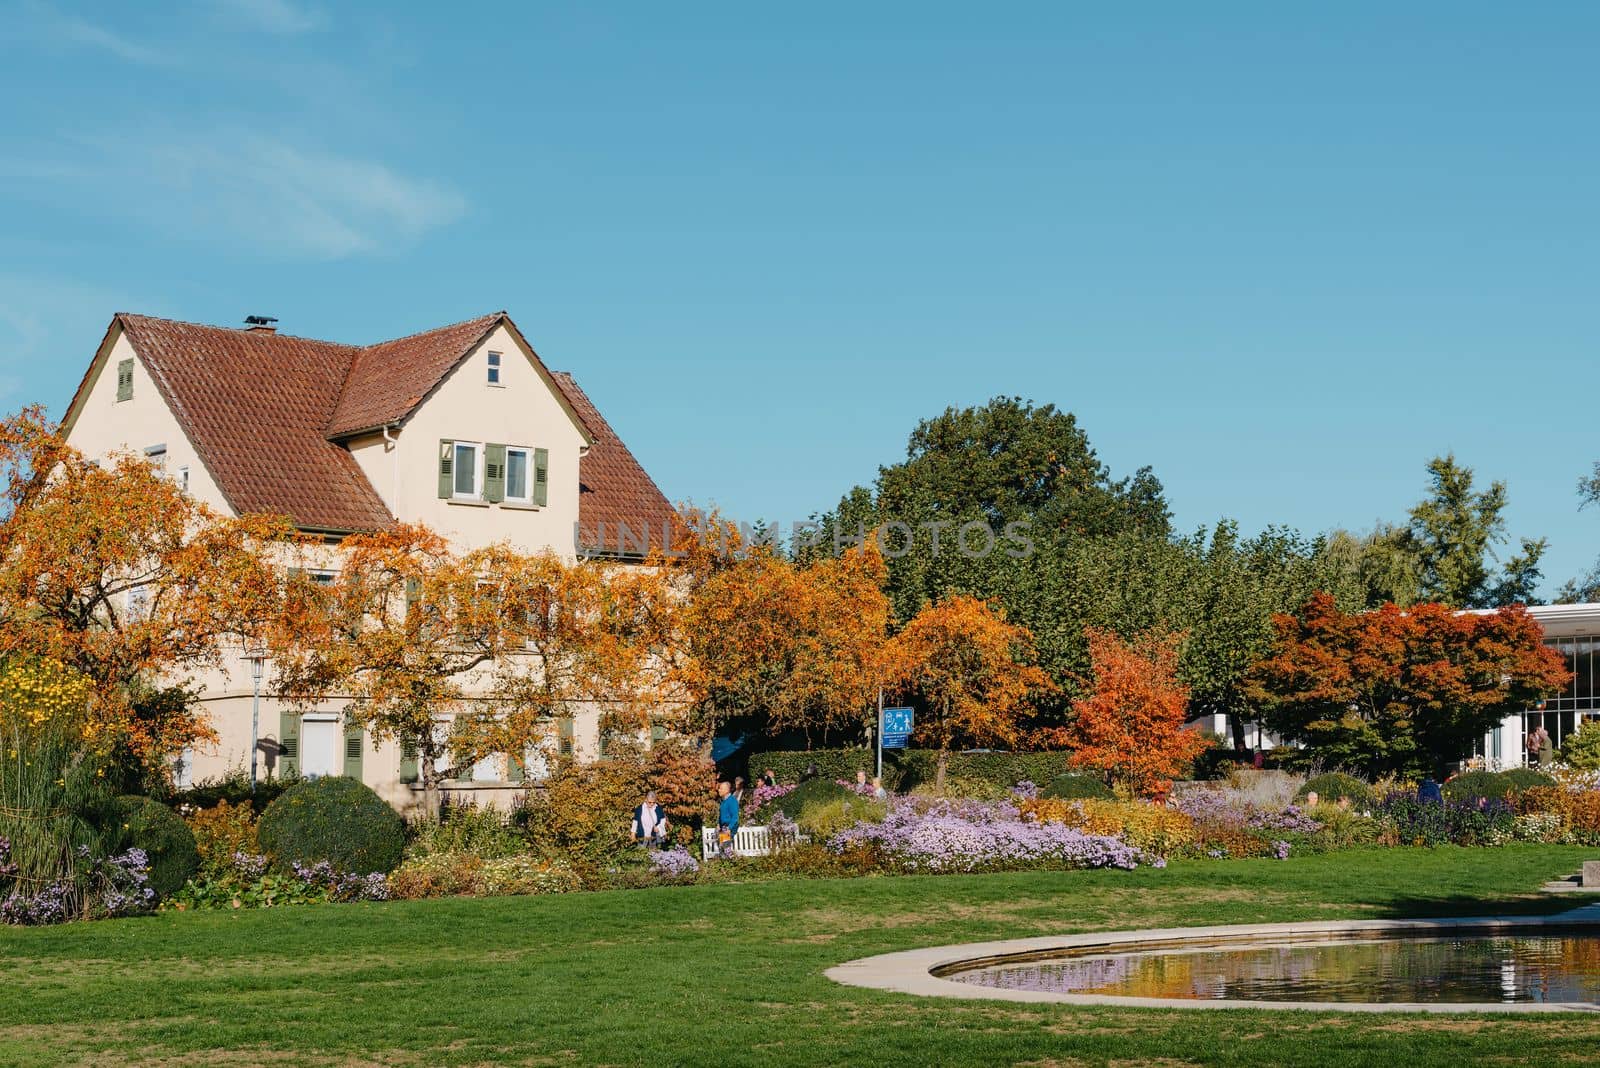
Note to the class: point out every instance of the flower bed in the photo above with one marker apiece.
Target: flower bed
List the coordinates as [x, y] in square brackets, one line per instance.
[968, 836]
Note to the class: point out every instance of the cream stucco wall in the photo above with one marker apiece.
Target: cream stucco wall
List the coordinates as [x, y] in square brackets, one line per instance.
[104, 425]
[525, 410]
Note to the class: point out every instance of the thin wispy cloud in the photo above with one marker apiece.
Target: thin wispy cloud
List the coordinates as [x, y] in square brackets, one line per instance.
[273, 16]
[49, 26]
[249, 191]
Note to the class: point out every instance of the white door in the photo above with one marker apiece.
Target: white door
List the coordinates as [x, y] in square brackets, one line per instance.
[319, 747]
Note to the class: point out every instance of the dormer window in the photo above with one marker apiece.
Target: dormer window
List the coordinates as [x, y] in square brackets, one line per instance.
[494, 368]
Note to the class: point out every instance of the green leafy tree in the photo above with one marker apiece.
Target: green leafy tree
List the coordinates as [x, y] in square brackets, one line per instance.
[1453, 534]
[1587, 588]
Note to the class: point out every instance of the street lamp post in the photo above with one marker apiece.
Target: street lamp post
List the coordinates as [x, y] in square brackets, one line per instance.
[257, 658]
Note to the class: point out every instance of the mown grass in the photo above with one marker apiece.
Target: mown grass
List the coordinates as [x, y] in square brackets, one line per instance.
[733, 974]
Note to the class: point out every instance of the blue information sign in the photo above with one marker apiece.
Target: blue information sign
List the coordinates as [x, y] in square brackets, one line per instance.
[896, 727]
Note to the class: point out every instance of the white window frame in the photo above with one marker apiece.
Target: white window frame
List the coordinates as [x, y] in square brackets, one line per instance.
[183, 478]
[321, 576]
[477, 470]
[157, 456]
[496, 365]
[527, 469]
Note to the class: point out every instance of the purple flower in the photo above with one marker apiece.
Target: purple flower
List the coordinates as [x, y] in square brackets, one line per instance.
[674, 863]
[1025, 790]
[1280, 850]
[945, 836]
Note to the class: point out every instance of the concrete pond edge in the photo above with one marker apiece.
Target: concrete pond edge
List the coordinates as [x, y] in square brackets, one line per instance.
[916, 971]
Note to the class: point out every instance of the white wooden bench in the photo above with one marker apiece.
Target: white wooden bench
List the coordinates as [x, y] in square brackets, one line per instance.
[747, 841]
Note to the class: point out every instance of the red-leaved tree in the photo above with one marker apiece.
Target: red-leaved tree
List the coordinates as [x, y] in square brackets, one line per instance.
[1400, 690]
[1129, 725]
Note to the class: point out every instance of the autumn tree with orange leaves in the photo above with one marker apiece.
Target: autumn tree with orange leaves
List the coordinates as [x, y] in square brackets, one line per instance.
[112, 571]
[970, 672]
[797, 647]
[1400, 690]
[460, 656]
[1130, 723]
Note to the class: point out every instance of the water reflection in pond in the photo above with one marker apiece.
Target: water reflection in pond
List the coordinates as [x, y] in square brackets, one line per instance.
[1559, 968]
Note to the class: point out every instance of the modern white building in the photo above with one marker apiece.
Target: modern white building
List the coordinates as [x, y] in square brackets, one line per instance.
[462, 428]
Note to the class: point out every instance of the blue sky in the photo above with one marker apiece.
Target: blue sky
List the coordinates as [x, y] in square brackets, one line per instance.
[1282, 254]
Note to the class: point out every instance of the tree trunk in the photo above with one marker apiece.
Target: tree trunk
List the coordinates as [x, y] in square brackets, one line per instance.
[1236, 726]
[940, 769]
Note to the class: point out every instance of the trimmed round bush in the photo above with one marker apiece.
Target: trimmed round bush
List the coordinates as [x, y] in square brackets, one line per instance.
[1077, 788]
[147, 824]
[806, 795]
[1334, 785]
[334, 819]
[1526, 778]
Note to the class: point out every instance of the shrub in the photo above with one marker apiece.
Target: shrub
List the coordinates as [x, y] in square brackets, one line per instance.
[1578, 810]
[1525, 779]
[465, 828]
[1494, 785]
[1154, 828]
[234, 788]
[463, 874]
[964, 787]
[165, 839]
[1074, 786]
[584, 810]
[796, 801]
[332, 819]
[1334, 785]
[824, 819]
[224, 831]
[1582, 747]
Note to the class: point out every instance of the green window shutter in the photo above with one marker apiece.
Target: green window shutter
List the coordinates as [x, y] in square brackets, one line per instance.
[566, 731]
[413, 594]
[494, 473]
[288, 745]
[447, 471]
[658, 734]
[408, 762]
[464, 773]
[352, 753]
[516, 767]
[541, 475]
[124, 380]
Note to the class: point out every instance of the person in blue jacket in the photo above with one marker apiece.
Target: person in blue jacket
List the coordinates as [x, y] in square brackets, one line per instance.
[727, 817]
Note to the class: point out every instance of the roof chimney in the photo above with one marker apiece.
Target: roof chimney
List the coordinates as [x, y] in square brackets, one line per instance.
[260, 324]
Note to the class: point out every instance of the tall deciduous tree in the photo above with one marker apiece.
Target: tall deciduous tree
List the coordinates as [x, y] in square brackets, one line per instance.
[1400, 690]
[1130, 724]
[112, 570]
[461, 656]
[795, 646]
[971, 673]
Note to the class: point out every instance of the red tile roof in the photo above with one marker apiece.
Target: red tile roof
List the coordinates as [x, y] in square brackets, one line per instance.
[254, 404]
[613, 488]
[261, 409]
[388, 380]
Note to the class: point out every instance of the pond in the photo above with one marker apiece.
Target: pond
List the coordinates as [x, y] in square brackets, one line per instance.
[1552, 966]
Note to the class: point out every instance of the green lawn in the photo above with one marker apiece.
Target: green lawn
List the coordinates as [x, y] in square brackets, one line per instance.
[732, 974]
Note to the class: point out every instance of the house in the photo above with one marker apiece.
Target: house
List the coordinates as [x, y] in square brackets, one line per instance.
[462, 428]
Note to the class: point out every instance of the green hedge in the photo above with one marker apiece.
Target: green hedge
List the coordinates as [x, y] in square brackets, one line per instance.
[1494, 785]
[333, 819]
[153, 827]
[1077, 787]
[904, 769]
